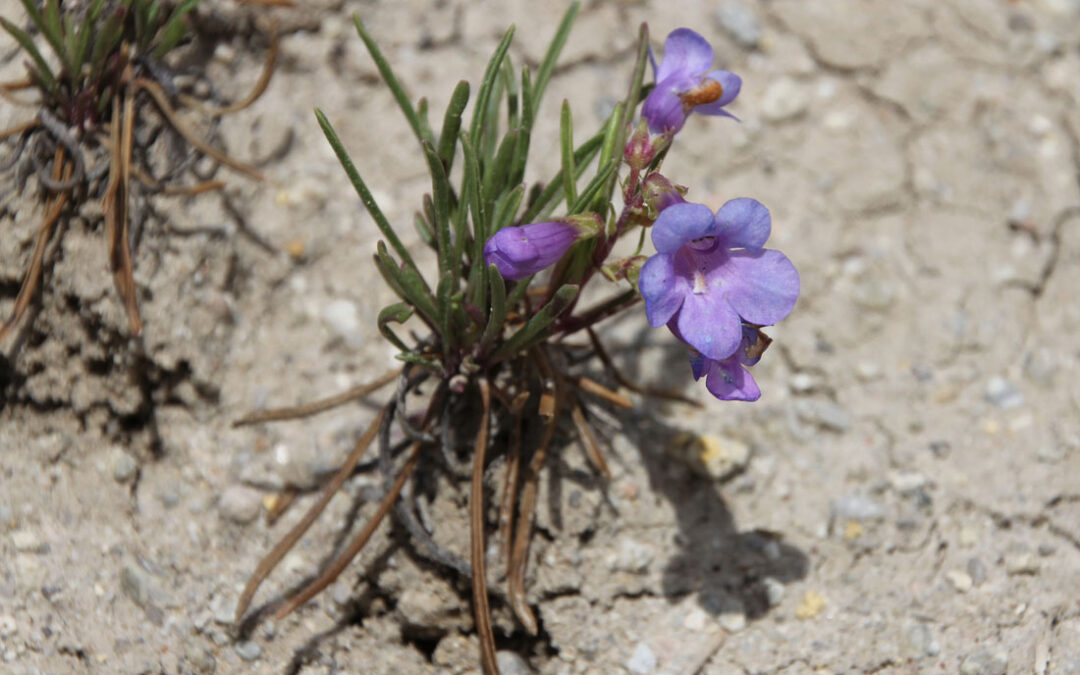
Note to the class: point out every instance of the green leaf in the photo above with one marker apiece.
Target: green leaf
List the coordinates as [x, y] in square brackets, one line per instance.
[174, 29]
[534, 329]
[423, 228]
[452, 124]
[107, 40]
[594, 190]
[409, 357]
[611, 151]
[447, 283]
[495, 178]
[547, 66]
[497, 314]
[408, 284]
[425, 124]
[491, 78]
[506, 208]
[628, 107]
[365, 195]
[566, 137]
[391, 80]
[521, 153]
[553, 192]
[50, 27]
[398, 312]
[27, 43]
[509, 85]
[440, 188]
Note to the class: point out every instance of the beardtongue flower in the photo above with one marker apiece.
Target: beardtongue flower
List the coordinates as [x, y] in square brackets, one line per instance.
[711, 273]
[728, 379]
[685, 84]
[524, 250]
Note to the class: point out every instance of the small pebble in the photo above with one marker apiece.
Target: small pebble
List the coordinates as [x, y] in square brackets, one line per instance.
[124, 466]
[240, 504]
[977, 570]
[249, 651]
[774, 591]
[1021, 562]
[512, 663]
[732, 617]
[961, 581]
[802, 383]
[713, 456]
[907, 482]
[633, 556]
[341, 316]
[983, 661]
[811, 605]
[867, 371]
[643, 660]
[26, 541]
[1051, 453]
[8, 625]
[874, 294]
[695, 619]
[1003, 394]
[784, 99]
[137, 586]
[857, 507]
[825, 414]
[740, 23]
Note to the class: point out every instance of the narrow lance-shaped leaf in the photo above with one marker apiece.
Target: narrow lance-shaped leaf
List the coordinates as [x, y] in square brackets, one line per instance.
[547, 66]
[553, 192]
[534, 329]
[566, 145]
[391, 80]
[49, 25]
[362, 190]
[497, 313]
[509, 85]
[48, 79]
[440, 188]
[452, 124]
[398, 312]
[521, 152]
[610, 152]
[107, 40]
[442, 302]
[491, 77]
[593, 192]
[497, 173]
[628, 107]
[408, 284]
[175, 28]
[425, 124]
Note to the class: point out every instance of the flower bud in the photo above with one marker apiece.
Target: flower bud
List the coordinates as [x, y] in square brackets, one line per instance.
[524, 250]
[640, 150]
[660, 193]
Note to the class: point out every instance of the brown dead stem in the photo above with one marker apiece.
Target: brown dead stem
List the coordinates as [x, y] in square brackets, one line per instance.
[267, 564]
[357, 544]
[256, 92]
[632, 386]
[322, 405]
[120, 243]
[158, 94]
[481, 608]
[269, 3]
[19, 128]
[16, 85]
[510, 486]
[550, 402]
[596, 389]
[175, 190]
[588, 439]
[61, 171]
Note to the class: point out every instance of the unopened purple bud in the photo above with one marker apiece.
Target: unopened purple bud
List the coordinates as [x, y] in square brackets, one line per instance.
[640, 150]
[660, 193]
[522, 251]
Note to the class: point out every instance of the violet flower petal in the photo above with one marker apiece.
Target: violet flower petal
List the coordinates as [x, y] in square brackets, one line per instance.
[662, 289]
[744, 223]
[731, 85]
[685, 51]
[709, 324]
[729, 381]
[680, 224]
[761, 286]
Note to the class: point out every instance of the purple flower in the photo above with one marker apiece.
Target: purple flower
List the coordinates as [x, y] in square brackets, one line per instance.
[684, 84]
[521, 251]
[711, 274]
[728, 379]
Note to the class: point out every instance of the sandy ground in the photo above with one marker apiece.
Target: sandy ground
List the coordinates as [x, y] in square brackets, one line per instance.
[905, 499]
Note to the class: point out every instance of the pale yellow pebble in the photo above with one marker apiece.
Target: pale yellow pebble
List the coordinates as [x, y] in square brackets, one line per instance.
[810, 606]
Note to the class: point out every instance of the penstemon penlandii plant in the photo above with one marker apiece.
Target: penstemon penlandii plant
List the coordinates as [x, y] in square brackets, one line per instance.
[512, 263]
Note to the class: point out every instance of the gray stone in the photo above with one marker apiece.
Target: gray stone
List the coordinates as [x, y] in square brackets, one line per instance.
[27, 541]
[774, 591]
[1003, 394]
[642, 661]
[240, 504]
[124, 466]
[249, 651]
[136, 584]
[740, 23]
[1021, 562]
[875, 294]
[825, 414]
[632, 556]
[983, 661]
[512, 663]
[8, 626]
[1050, 453]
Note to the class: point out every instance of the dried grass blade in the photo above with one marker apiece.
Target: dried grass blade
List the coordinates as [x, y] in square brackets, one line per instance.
[588, 438]
[18, 129]
[120, 247]
[357, 544]
[624, 381]
[510, 487]
[596, 389]
[481, 607]
[316, 407]
[33, 274]
[158, 94]
[267, 564]
[260, 85]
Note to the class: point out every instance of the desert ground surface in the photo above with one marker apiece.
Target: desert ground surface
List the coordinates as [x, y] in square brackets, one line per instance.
[903, 499]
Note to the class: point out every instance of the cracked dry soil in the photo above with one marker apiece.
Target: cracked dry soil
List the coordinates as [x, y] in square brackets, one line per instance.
[910, 502]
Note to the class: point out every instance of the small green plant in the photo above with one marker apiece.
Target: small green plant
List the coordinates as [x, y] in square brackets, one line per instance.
[500, 312]
[108, 59]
